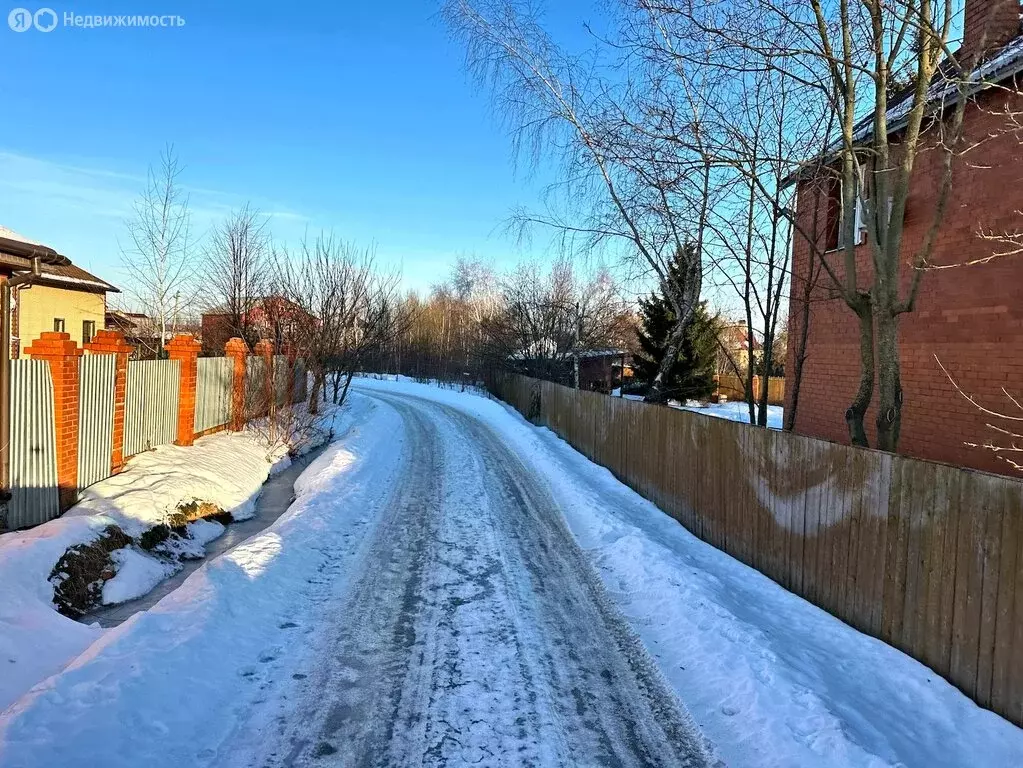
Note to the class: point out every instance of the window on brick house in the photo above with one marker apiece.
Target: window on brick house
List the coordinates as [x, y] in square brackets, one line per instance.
[835, 216]
[88, 330]
[58, 324]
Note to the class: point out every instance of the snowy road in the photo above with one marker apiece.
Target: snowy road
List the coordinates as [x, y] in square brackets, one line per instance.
[448, 589]
[476, 632]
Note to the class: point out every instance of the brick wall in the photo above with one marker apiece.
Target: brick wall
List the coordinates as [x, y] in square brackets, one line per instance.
[971, 318]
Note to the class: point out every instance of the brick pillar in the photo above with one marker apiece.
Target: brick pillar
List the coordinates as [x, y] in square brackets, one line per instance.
[62, 354]
[110, 342]
[265, 349]
[185, 348]
[237, 350]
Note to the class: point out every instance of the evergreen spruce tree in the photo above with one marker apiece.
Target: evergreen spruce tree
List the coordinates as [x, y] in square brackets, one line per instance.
[692, 375]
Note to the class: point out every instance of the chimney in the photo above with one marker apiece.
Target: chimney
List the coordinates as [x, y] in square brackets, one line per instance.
[987, 26]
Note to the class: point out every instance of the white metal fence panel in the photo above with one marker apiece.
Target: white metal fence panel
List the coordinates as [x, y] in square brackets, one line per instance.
[95, 418]
[256, 404]
[213, 386]
[282, 379]
[34, 497]
[151, 404]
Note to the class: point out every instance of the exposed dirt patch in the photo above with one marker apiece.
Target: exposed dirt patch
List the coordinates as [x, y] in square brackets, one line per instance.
[197, 510]
[78, 576]
[154, 537]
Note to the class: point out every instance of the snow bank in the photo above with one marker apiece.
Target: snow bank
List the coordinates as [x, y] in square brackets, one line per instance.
[226, 469]
[772, 679]
[137, 573]
[235, 617]
[735, 411]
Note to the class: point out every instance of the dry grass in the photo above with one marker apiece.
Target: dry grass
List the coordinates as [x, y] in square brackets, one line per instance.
[79, 575]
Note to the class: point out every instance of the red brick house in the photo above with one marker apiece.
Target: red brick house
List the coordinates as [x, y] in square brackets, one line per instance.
[969, 318]
[275, 318]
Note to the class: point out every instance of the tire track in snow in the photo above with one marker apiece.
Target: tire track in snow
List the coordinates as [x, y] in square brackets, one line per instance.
[477, 633]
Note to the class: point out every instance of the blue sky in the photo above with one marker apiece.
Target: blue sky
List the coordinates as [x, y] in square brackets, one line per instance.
[329, 115]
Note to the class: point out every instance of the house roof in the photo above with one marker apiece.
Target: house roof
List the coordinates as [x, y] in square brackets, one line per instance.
[943, 91]
[72, 276]
[16, 252]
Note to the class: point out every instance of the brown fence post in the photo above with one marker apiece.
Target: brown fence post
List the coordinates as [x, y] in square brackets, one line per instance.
[185, 349]
[109, 342]
[265, 349]
[62, 354]
[237, 350]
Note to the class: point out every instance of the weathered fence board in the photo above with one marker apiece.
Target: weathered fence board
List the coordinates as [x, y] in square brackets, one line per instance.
[95, 418]
[926, 556]
[34, 498]
[151, 404]
[213, 387]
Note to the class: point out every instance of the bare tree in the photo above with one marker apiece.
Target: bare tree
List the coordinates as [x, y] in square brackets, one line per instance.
[236, 260]
[159, 258]
[341, 311]
[633, 189]
[550, 317]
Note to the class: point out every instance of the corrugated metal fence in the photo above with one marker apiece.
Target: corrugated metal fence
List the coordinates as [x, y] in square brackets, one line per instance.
[214, 382]
[151, 404]
[282, 379]
[925, 556]
[34, 497]
[255, 387]
[95, 418]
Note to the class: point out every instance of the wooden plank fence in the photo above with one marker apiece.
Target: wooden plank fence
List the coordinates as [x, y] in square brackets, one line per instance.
[925, 556]
[734, 388]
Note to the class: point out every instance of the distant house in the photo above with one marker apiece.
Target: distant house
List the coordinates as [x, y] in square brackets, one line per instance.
[733, 352]
[271, 317]
[139, 330]
[65, 298]
[600, 370]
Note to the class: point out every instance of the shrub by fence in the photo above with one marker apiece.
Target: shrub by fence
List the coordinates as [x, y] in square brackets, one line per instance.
[925, 556]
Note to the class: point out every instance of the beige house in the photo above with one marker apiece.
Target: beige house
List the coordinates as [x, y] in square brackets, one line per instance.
[65, 298]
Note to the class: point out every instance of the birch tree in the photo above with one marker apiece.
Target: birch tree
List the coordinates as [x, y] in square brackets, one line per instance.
[625, 187]
[236, 261]
[158, 256]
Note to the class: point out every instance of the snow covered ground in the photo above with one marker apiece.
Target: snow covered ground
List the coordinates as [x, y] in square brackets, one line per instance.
[226, 469]
[217, 670]
[735, 411]
[771, 679]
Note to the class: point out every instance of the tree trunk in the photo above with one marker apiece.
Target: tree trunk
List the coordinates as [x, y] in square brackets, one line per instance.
[314, 394]
[765, 379]
[348, 383]
[656, 393]
[858, 409]
[889, 384]
[799, 358]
